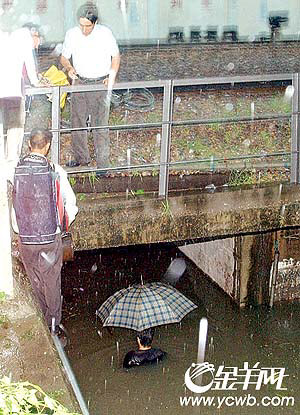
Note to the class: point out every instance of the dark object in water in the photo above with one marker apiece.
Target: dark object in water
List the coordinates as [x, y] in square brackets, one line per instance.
[143, 357]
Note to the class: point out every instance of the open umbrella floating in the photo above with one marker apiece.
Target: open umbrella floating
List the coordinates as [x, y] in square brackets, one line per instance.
[141, 306]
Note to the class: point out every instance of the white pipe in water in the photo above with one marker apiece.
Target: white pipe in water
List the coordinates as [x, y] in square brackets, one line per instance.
[201, 346]
[274, 273]
[202, 339]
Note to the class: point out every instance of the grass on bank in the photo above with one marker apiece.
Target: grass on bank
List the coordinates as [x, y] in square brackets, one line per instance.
[213, 140]
[24, 398]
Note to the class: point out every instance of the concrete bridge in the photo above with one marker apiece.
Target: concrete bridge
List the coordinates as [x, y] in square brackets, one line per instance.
[116, 220]
[250, 219]
[229, 233]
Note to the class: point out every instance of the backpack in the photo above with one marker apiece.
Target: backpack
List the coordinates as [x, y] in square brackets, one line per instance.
[35, 200]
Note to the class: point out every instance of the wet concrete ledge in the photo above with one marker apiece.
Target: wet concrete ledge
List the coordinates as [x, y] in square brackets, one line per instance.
[110, 221]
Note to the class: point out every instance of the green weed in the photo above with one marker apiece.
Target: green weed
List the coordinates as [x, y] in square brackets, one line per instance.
[92, 178]
[216, 127]
[278, 105]
[137, 173]
[267, 139]
[72, 181]
[137, 192]
[56, 394]
[166, 209]
[4, 322]
[242, 177]
[28, 335]
[116, 119]
[81, 196]
[26, 398]
[153, 117]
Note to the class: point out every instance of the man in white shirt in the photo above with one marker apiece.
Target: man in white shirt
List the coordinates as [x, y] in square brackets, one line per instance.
[16, 52]
[95, 58]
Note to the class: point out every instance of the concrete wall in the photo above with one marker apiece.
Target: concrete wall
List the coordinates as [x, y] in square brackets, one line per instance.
[117, 221]
[288, 278]
[216, 259]
[240, 266]
[288, 281]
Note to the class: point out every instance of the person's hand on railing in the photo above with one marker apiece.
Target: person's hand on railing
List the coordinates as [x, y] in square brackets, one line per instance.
[72, 73]
[110, 80]
[40, 83]
[43, 82]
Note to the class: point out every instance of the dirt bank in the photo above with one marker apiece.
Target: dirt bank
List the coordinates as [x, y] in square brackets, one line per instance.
[27, 352]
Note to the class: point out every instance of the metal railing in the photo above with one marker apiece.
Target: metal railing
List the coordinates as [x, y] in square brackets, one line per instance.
[168, 122]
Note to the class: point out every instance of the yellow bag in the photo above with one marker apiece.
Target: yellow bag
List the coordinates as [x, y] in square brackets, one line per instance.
[57, 77]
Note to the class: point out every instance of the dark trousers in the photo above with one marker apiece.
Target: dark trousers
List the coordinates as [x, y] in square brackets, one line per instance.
[13, 117]
[13, 110]
[43, 266]
[91, 105]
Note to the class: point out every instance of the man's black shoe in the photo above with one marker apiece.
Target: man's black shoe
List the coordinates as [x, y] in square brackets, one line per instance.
[72, 163]
[61, 334]
[101, 173]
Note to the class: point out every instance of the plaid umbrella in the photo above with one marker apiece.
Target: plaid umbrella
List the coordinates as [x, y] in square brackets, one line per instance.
[141, 306]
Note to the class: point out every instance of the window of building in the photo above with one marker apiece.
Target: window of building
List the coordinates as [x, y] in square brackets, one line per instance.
[41, 6]
[6, 4]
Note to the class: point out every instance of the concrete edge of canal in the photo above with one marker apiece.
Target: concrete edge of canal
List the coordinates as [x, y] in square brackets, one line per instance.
[110, 222]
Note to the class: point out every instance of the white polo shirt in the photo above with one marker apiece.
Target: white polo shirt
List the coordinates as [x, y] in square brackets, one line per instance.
[16, 49]
[92, 54]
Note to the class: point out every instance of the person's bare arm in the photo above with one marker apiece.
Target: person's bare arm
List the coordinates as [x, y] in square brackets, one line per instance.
[115, 64]
[68, 67]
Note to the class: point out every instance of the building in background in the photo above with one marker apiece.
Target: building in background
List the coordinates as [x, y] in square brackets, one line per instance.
[152, 21]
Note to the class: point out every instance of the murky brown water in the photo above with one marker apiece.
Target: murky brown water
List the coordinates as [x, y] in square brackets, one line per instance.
[234, 337]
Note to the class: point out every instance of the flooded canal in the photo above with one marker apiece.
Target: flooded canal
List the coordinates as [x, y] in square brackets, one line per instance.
[234, 338]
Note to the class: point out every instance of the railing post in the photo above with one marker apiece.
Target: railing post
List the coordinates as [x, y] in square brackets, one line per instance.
[55, 124]
[2, 155]
[165, 139]
[6, 277]
[295, 144]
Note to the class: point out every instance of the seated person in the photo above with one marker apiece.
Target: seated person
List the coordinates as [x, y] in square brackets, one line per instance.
[145, 354]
